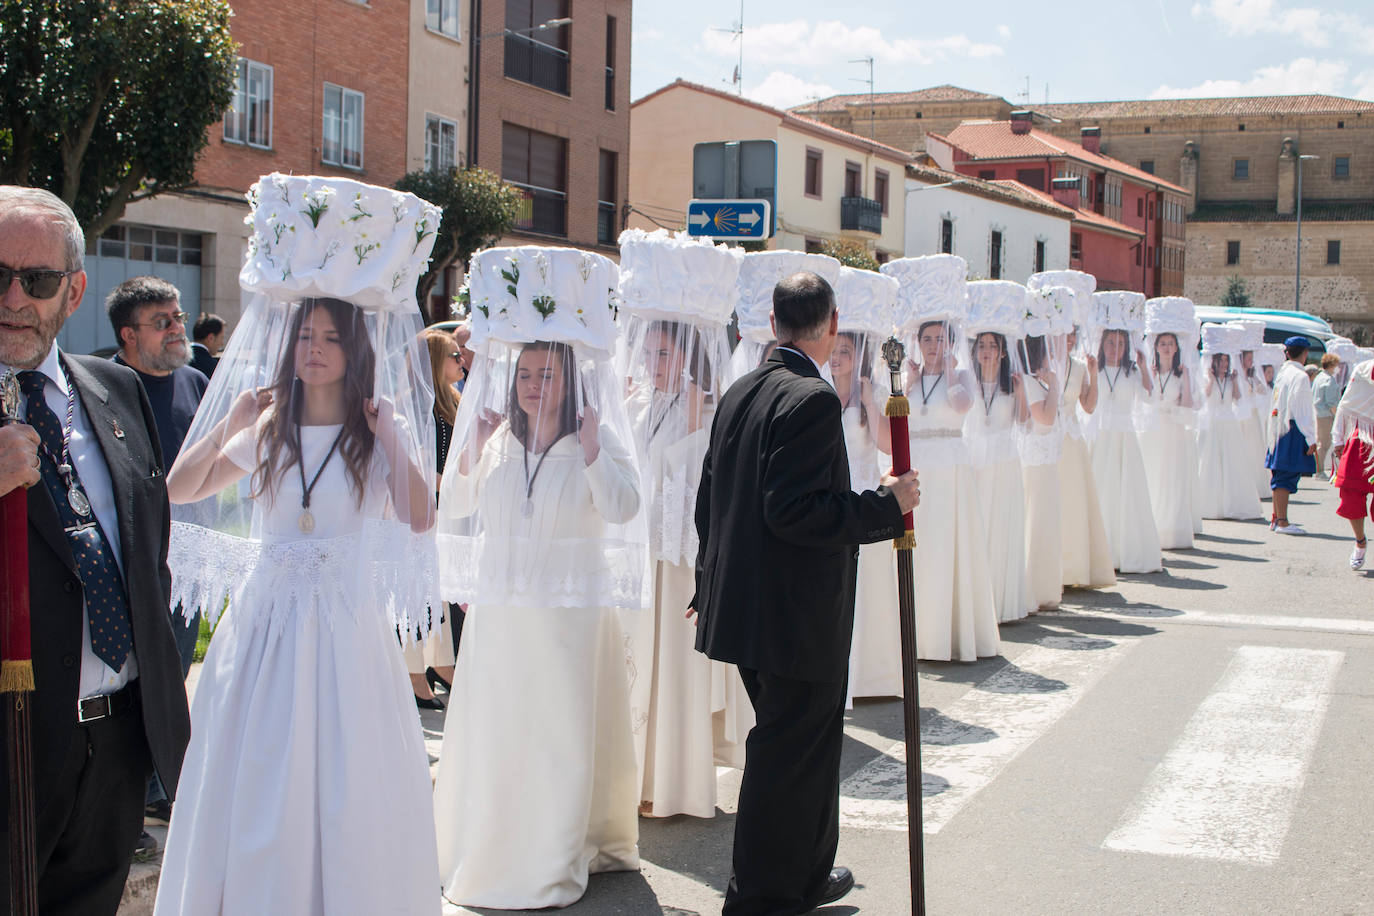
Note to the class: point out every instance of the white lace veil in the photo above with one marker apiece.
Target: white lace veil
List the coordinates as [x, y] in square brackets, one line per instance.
[1114, 337]
[996, 356]
[1171, 359]
[1216, 366]
[865, 301]
[1049, 320]
[540, 504]
[307, 476]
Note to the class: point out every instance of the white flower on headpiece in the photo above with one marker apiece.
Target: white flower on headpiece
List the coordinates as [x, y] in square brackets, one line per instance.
[333, 249]
[359, 211]
[541, 264]
[586, 266]
[316, 204]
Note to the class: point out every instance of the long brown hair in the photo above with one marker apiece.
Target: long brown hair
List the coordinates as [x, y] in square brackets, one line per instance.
[442, 346]
[567, 411]
[280, 447]
[865, 365]
[687, 340]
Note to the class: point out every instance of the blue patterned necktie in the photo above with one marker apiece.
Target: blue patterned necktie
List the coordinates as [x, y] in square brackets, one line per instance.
[106, 605]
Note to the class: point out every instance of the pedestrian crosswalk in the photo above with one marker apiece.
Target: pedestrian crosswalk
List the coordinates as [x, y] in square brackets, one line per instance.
[1226, 789]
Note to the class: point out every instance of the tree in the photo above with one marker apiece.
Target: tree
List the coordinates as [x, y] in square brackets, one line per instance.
[478, 208]
[850, 253]
[1236, 296]
[104, 102]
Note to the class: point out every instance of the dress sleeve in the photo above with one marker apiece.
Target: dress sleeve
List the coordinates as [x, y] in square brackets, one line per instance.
[614, 483]
[242, 447]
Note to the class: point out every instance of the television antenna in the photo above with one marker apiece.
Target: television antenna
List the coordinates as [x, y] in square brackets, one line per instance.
[738, 31]
[859, 79]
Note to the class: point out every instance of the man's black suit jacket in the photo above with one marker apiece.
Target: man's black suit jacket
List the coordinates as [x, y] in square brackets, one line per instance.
[202, 359]
[779, 527]
[122, 423]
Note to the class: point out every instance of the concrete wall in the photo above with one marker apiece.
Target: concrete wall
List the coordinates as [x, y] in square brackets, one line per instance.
[974, 218]
[438, 84]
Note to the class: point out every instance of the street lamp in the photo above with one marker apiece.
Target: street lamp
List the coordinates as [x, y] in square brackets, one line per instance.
[551, 24]
[1297, 275]
[475, 70]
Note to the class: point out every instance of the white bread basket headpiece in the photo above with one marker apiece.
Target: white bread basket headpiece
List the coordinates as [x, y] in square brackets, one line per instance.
[1050, 310]
[1172, 315]
[520, 295]
[677, 277]
[760, 272]
[933, 288]
[866, 301]
[1119, 309]
[1083, 285]
[998, 306]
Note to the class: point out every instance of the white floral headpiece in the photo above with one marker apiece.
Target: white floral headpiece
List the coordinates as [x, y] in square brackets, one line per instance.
[677, 277]
[1252, 332]
[933, 288]
[866, 301]
[1172, 315]
[1083, 285]
[1050, 310]
[760, 272]
[998, 306]
[338, 238]
[1119, 309]
[520, 295]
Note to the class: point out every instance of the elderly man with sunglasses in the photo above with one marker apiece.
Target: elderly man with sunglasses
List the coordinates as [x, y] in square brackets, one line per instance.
[109, 706]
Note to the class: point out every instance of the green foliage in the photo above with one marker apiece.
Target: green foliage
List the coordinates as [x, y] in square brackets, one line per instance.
[1236, 296]
[850, 253]
[104, 102]
[754, 244]
[478, 208]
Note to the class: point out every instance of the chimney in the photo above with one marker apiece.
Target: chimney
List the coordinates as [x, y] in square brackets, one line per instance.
[1020, 122]
[1090, 138]
[1187, 174]
[1288, 177]
[1066, 190]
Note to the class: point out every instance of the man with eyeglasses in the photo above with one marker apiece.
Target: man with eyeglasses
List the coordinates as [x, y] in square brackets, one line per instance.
[109, 706]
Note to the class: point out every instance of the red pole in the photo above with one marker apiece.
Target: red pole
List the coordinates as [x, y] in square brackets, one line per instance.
[16, 678]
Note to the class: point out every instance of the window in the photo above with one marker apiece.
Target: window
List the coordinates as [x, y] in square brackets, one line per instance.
[1240, 127]
[946, 236]
[1340, 125]
[1333, 252]
[537, 163]
[880, 188]
[533, 55]
[441, 144]
[610, 63]
[1150, 210]
[1340, 167]
[813, 172]
[1147, 129]
[853, 180]
[1232, 253]
[995, 256]
[1240, 169]
[1137, 253]
[249, 118]
[1140, 206]
[987, 174]
[144, 243]
[1075, 246]
[1147, 165]
[442, 16]
[1031, 178]
[606, 229]
[1039, 256]
[343, 127]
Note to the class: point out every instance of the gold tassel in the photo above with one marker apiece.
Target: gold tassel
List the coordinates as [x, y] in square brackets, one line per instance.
[906, 542]
[897, 406]
[16, 676]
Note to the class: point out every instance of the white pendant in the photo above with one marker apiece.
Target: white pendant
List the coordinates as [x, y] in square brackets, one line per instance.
[306, 522]
[79, 503]
[987, 419]
[527, 510]
[924, 410]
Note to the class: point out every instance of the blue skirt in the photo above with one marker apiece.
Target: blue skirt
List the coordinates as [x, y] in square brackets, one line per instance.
[1290, 453]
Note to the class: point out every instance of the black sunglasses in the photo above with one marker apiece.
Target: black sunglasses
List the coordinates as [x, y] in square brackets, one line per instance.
[38, 283]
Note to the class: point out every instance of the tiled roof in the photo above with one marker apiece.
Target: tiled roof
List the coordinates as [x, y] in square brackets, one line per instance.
[1218, 107]
[787, 118]
[1320, 211]
[994, 140]
[933, 94]
[1006, 191]
[1089, 217]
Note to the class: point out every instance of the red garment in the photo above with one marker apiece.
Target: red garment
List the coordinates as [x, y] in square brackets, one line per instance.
[1350, 473]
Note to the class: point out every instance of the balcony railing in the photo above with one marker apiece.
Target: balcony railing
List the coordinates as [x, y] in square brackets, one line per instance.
[859, 214]
[606, 233]
[536, 63]
[542, 210]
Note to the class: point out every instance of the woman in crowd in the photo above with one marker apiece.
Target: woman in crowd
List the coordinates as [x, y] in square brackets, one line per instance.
[540, 529]
[1253, 408]
[1352, 438]
[1118, 466]
[956, 618]
[1167, 440]
[1224, 486]
[1048, 320]
[310, 504]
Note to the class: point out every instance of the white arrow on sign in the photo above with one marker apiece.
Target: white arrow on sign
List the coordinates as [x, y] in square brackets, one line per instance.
[698, 219]
[749, 218]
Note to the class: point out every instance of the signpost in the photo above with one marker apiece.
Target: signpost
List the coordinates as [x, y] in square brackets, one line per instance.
[729, 219]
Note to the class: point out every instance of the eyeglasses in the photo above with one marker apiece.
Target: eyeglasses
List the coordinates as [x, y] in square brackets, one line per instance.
[457, 356]
[38, 283]
[163, 322]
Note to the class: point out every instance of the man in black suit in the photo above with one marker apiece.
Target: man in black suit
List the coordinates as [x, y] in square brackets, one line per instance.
[779, 530]
[207, 340]
[110, 706]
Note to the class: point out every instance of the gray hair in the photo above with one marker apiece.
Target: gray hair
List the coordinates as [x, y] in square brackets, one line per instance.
[17, 198]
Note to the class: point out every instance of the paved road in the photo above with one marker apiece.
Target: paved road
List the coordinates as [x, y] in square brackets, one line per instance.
[1195, 741]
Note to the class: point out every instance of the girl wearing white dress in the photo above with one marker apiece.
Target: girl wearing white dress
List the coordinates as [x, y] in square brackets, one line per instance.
[1167, 439]
[1087, 557]
[540, 529]
[1224, 485]
[306, 492]
[1118, 466]
[1040, 446]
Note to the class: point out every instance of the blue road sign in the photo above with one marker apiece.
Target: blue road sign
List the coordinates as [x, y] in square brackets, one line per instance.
[729, 219]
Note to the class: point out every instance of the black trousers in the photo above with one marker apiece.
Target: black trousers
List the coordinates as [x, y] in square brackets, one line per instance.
[787, 828]
[89, 824]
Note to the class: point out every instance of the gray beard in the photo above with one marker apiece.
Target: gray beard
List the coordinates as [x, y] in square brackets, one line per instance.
[163, 360]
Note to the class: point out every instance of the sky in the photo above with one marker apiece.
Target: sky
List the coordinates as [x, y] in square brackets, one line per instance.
[1076, 51]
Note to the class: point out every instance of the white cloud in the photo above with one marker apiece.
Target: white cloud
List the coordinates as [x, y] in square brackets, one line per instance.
[837, 43]
[1312, 27]
[1004, 31]
[646, 33]
[1300, 76]
[1364, 85]
[783, 90]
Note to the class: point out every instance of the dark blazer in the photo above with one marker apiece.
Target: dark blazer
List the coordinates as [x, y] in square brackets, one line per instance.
[122, 422]
[779, 527]
[202, 360]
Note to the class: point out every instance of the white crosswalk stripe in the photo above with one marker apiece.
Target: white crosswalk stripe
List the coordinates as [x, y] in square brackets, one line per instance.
[1228, 788]
[973, 739]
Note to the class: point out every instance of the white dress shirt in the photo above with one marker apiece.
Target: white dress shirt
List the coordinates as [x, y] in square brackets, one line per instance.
[89, 461]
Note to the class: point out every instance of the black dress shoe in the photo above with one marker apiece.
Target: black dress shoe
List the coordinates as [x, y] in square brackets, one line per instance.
[429, 703]
[840, 882]
[433, 679]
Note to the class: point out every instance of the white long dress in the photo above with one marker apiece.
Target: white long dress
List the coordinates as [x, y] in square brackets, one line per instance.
[1087, 557]
[537, 781]
[1254, 397]
[989, 429]
[875, 655]
[1041, 449]
[1224, 483]
[1169, 448]
[679, 698]
[306, 783]
[1119, 471]
[955, 615]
